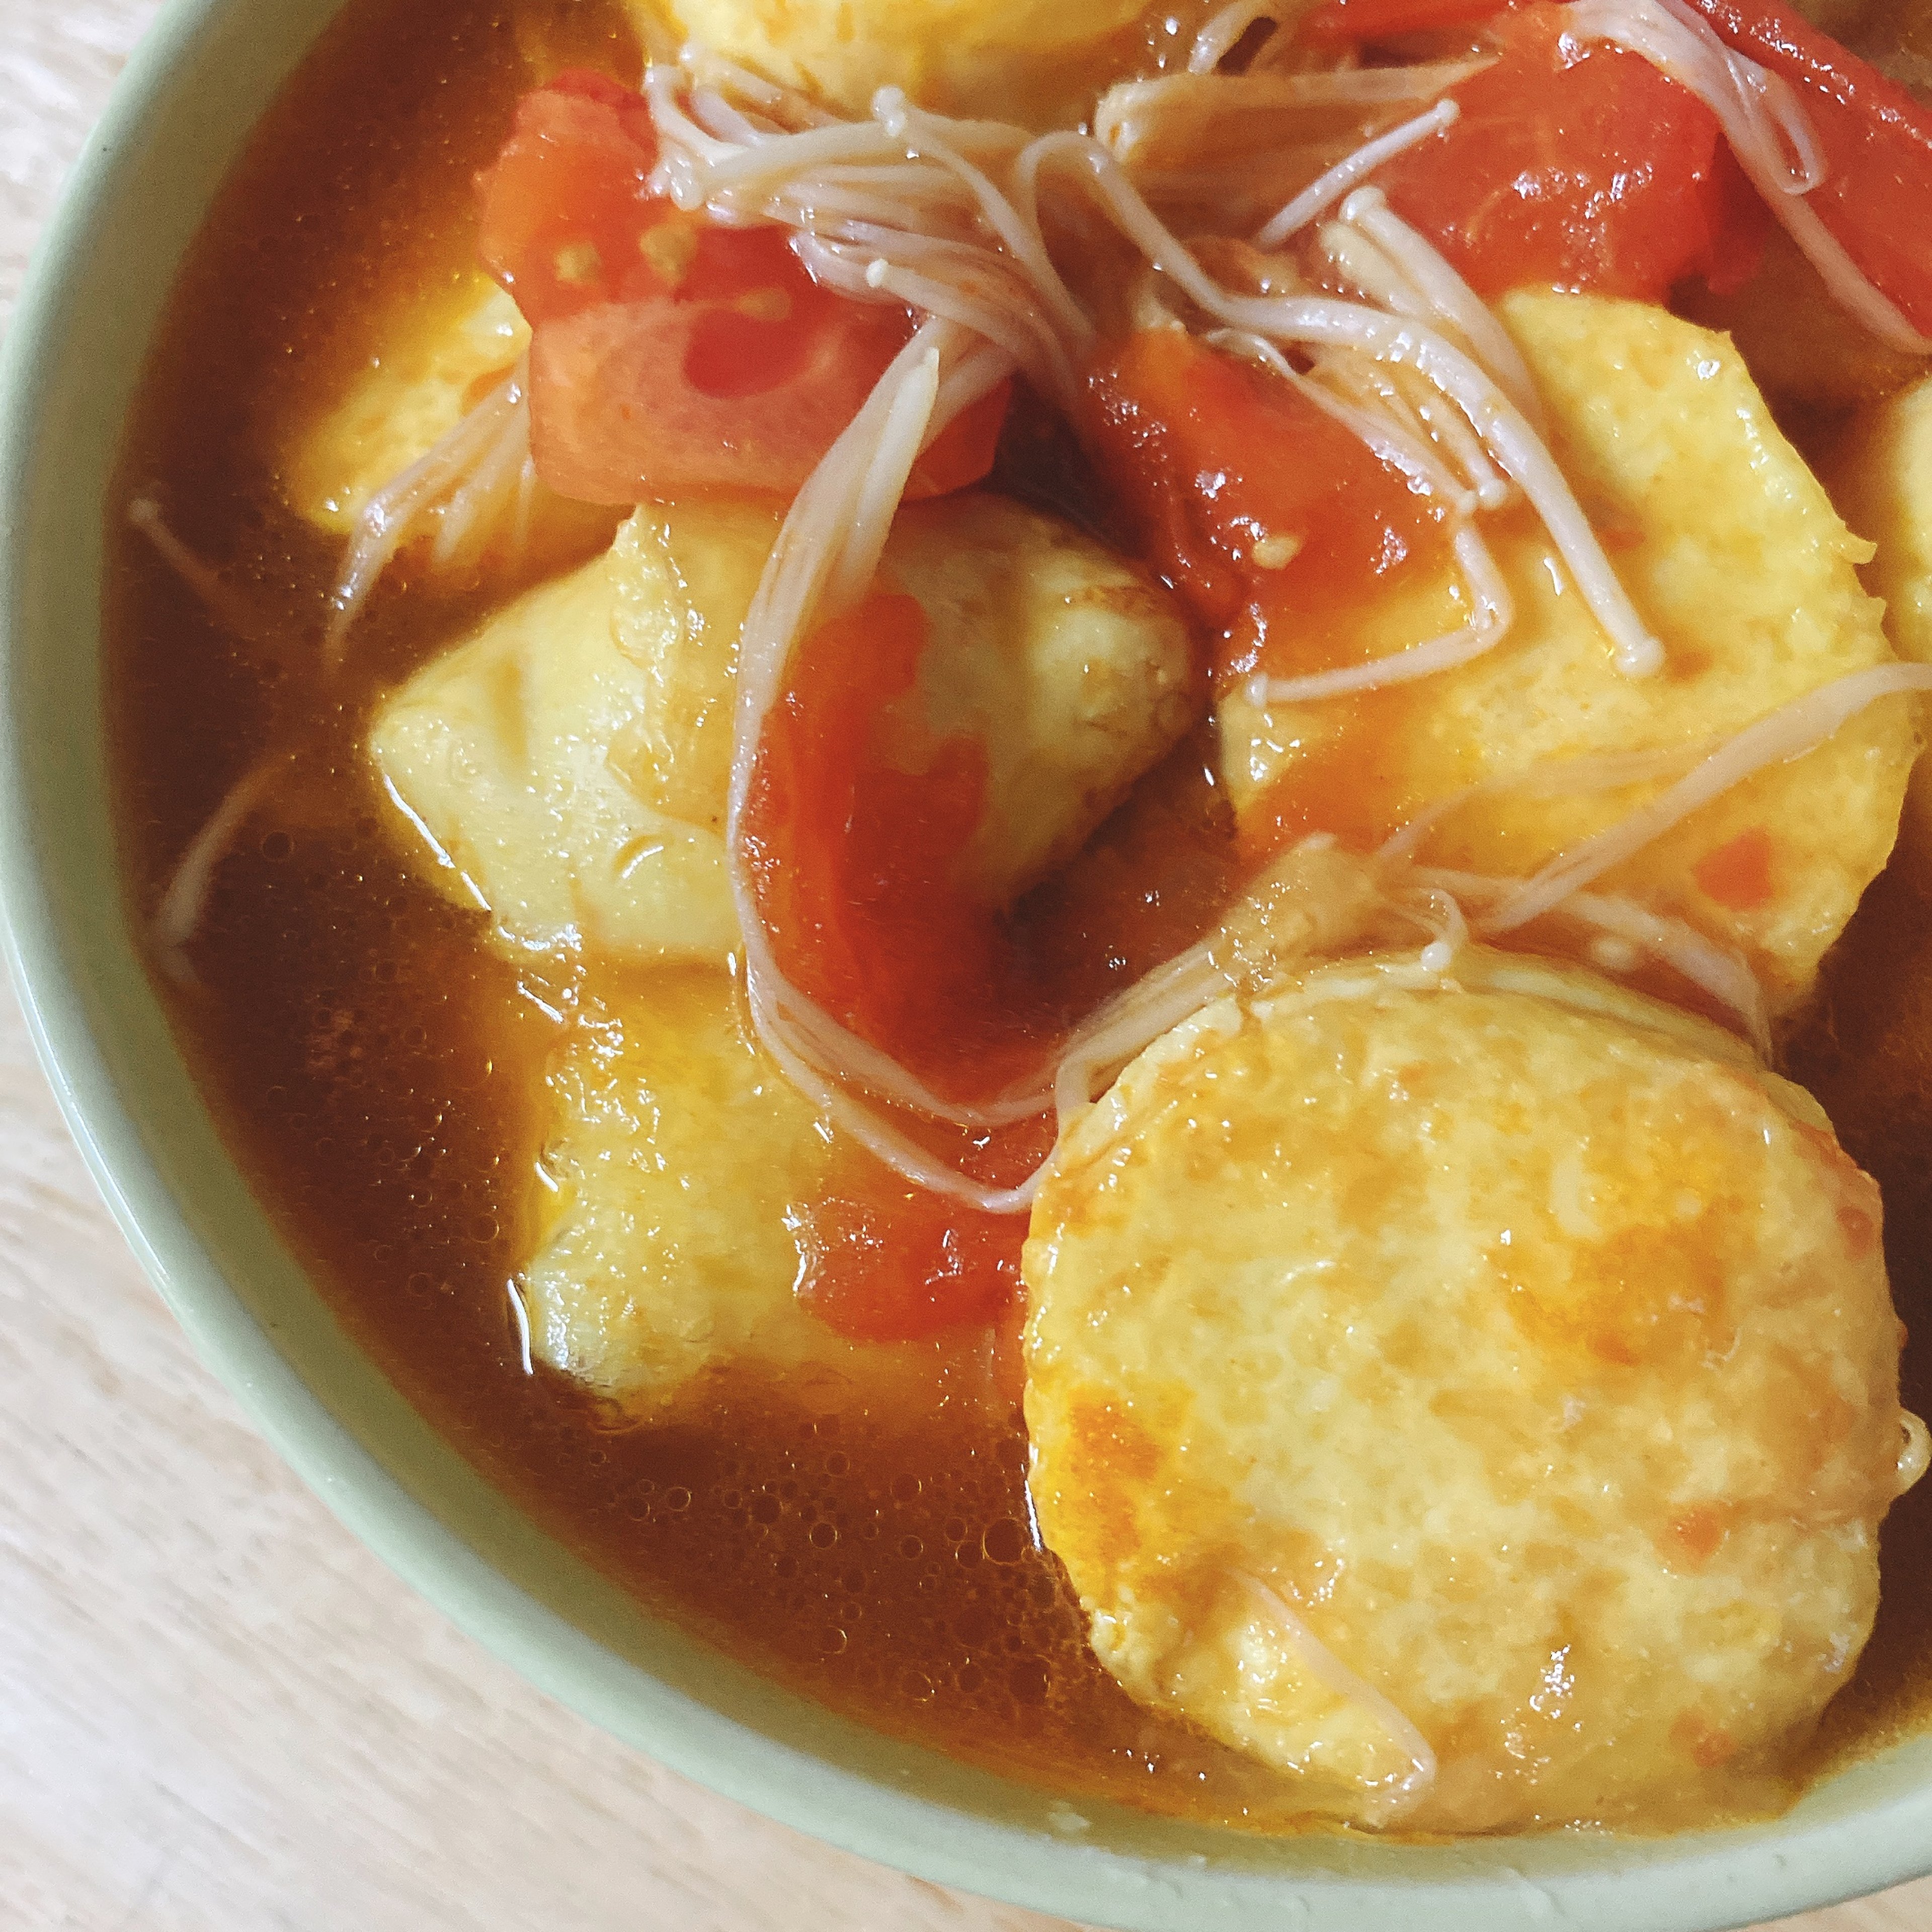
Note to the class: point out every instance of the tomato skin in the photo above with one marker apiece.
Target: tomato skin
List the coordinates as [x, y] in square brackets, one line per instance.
[1218, 459]
[854, 854]
[616, 417]
[670, 353]
[1570, 166]
[566, 203]
[1876, 197]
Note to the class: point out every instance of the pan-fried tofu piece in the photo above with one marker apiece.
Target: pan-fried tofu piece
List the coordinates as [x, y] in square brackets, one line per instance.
[431, 361]
[677, 1159]
[567, 768]
[1735, 558]
[1476, 1399]
[1023, 60]
[414, 388]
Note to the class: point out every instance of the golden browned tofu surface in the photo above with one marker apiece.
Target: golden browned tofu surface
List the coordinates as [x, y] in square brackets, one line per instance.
[1736, 559]
[675, 1154]
[1476, 1400]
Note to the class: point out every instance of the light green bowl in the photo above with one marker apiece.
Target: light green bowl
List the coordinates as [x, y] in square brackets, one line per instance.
[70, 364]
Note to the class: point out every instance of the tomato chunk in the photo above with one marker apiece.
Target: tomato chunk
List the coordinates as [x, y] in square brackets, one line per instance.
[670, 353]
[893, 1262]
[1571, 165]
[1877, 197]
[855, 830]
[1274, 519]
[1738, 875]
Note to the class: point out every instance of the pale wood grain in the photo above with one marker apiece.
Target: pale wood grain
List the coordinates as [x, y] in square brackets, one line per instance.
[217, 1713]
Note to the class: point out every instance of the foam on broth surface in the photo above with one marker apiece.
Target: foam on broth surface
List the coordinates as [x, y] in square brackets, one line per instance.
[377, 1072]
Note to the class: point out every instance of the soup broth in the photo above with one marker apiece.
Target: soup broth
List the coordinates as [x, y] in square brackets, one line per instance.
[378, 1072]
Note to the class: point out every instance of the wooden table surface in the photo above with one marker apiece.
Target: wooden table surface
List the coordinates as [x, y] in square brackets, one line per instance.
[218, 1712]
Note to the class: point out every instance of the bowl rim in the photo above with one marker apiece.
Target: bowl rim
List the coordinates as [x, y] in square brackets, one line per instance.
[1697, 1882]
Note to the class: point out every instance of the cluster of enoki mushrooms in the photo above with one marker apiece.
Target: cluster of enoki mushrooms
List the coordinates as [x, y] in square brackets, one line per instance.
[957, 220]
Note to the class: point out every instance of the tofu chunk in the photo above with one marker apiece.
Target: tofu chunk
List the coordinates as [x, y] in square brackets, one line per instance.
[429, 362]
[497, 760]
[677, 1157]
[568, 767]
[1734, 556]
[1022, 60]
[1476, 1400]
[430, 365]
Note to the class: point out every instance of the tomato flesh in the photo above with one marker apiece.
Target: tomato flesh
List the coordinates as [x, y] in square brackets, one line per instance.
[1571, 165]
[855, 830]
[669, 353]
[884, 1262]
[1276, 521]
[1877, 195]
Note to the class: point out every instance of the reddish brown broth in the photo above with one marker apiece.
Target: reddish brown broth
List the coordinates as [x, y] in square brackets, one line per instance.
[375, 1072]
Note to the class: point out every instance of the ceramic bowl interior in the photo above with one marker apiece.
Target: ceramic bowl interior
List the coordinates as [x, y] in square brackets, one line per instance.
[72, 360]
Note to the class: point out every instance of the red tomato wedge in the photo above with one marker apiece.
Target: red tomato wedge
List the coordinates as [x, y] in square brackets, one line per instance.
[854, 854]
[670, 353]
[855, 829]
[1573, 166]
[1876, 198]
[1273, 519]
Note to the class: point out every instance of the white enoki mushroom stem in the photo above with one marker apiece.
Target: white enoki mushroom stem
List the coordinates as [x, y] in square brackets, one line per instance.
[1328, 1669]
[1610, 771]
[1444, 296]
[1640, 933]
[827, 555]
[1493, 611]
[1323, 193]
[1224, 31]
[520, 1316]
[177, 915]
[229, 607]
[1793, 729]
[470, 470]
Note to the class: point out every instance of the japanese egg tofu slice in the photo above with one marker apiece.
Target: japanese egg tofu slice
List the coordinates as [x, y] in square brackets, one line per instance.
[1476, 1399]
[676, 1158]
[1029, 61]
[1737, 560]
[567, 767]
[423, 363]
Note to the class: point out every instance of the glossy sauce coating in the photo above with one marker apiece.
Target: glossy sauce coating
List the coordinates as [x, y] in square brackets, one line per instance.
[375, 1071]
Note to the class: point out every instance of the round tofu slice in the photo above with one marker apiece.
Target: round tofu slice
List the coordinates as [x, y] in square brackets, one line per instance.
[1734, 554]
[1476, 1400]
